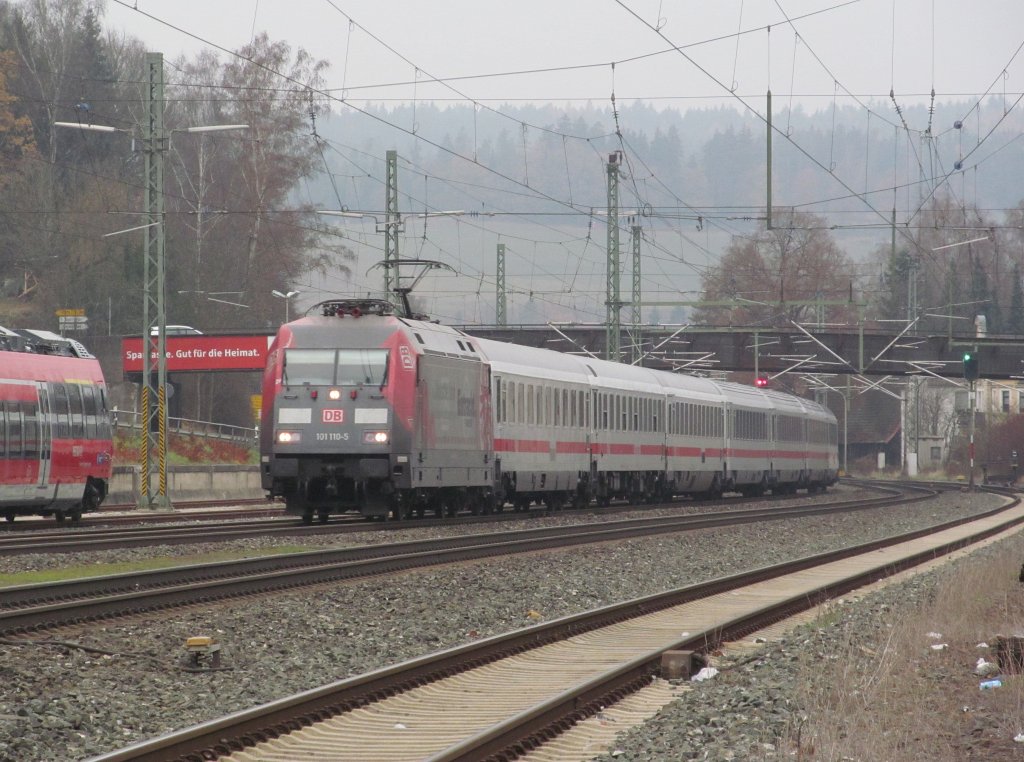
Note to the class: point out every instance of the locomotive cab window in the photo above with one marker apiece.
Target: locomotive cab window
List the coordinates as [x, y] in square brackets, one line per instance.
[362, 366]
[341, 367]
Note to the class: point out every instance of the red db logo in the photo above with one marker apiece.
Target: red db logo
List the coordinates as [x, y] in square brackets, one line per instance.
[332, 415]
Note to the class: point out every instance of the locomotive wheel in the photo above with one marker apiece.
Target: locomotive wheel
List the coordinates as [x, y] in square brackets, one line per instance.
[76, 514]
[307, 517]
[9, 515]
[59, 515]
[322, 516]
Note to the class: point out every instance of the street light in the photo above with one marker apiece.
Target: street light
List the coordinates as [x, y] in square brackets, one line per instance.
[287, 300]
[155, 140]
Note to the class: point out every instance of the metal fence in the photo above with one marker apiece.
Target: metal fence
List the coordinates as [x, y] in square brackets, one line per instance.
[248, 437]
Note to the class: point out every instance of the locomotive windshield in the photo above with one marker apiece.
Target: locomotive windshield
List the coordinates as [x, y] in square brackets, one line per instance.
[335, 367]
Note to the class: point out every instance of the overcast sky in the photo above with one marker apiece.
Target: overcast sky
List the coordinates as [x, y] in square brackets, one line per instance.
[864, 47]
[816, 53]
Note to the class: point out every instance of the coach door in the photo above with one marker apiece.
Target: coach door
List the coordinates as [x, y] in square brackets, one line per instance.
[44, 434]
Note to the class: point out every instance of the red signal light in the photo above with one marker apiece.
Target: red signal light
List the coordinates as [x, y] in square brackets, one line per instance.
[761, 382]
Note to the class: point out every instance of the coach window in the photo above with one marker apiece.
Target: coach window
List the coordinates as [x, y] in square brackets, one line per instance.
[89, 408]
[556, 419]
[14, 429]
[520, 408]
[75, 405]
[60, 411]
[30, 427]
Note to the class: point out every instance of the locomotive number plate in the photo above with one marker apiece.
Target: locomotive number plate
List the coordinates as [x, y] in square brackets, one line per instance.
[333, 415]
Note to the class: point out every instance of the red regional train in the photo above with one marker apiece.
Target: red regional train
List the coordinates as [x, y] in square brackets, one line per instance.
[367, 411]
[55, 433]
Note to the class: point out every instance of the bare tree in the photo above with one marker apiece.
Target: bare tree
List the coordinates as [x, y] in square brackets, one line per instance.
[238, 230]
[776, 275]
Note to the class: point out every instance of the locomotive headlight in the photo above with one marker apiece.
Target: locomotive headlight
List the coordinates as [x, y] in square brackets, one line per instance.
[288, 437]
[375, 437]
[334, 394]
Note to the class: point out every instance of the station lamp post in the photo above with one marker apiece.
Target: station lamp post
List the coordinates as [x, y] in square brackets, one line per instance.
[287, 300]
[155, 140]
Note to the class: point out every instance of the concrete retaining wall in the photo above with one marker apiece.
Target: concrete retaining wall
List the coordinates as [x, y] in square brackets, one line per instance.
[223, 482]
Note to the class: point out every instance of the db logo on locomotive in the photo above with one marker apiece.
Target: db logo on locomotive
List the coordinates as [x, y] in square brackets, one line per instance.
[333, 415]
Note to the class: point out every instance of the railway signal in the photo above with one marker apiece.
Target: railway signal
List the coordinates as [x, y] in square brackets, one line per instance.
[970, 366]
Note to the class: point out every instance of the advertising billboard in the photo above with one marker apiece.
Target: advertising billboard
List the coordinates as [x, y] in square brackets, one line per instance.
[204, 352]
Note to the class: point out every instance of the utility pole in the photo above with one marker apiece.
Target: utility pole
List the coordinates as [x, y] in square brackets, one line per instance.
[613, 324]
[392, 222]
[768, 140]
[636, 303]
[500, 317]
[154, 316]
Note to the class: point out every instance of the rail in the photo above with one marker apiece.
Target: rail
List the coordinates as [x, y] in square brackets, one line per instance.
[128, 419]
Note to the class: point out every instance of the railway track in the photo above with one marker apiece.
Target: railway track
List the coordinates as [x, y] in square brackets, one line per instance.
[83, 539]
[30, 608]
[114, 515]
[500, 697]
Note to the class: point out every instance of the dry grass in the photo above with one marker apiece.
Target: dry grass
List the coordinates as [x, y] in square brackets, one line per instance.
[888, 695]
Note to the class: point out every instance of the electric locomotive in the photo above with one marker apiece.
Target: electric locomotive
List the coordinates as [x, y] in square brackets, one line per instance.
[368, 411]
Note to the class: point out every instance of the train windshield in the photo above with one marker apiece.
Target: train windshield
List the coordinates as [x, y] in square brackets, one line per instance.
[335, 367]
[362, 366]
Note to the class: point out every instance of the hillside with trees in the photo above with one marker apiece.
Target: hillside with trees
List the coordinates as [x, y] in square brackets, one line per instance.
[240, 216]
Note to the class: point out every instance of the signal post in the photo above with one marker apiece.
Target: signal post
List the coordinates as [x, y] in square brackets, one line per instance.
[971, 372]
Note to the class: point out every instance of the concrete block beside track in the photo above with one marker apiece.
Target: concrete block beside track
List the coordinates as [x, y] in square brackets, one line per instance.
[220, 482]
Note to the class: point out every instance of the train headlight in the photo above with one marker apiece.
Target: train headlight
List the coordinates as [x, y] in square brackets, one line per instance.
[288, 437]
[334, 394]
[375, 437]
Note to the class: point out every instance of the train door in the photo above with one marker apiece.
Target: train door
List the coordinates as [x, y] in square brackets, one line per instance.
[660, 426]
[725, 414]
[44, 433]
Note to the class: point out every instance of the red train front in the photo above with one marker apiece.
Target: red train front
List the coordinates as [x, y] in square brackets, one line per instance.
[55, 433]
[366, 411]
